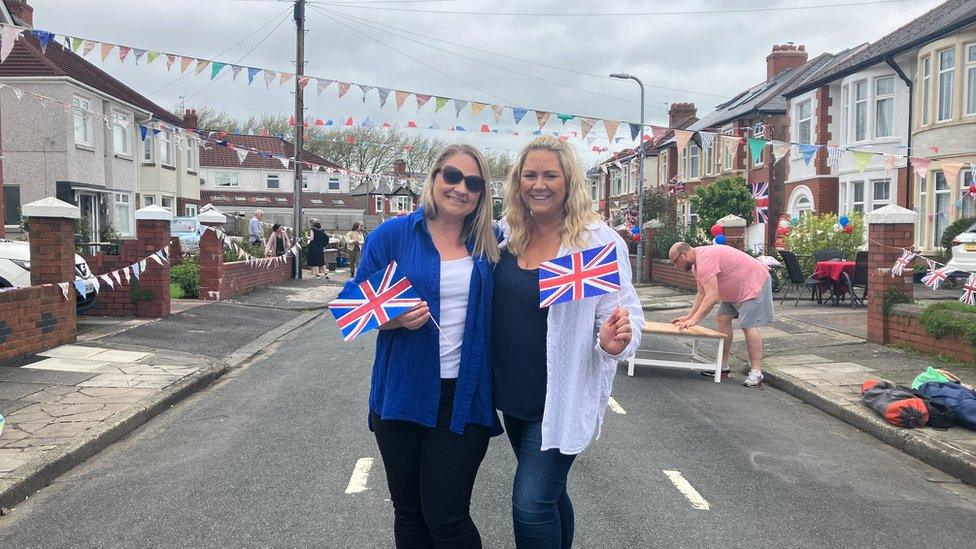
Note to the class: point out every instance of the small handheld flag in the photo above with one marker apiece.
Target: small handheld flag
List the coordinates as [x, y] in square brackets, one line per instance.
[579, 275]
[375, 301]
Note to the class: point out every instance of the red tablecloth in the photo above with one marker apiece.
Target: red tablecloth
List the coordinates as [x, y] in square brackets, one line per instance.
[830, 273]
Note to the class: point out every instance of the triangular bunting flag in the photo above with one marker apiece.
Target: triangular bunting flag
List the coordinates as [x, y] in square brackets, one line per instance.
[399, 97]
[542, 117]
[365, 89]
[611, 127]
[497, 111]
[951, 170]
[303, 81]
[781, 149]
[634, 131]
[384, 94]
[707, 138]
[439, 103]
[216, 68]
[422, 100]
[75, 44]
[127, 271]
[682, 137]
[476, 108]
[64, 288]
[151, 56]
[284, 161]
[137, 54]
[518, 113]
[117, 276]
[565, 117]
[185, 63]
[236, 71]
[106, 50]
[87, 47]
[241, 154]
[756, 147]
[321, 84]
[861, 159]
[81, 287]
[586, 124]
[921, 166]
[108, 280]
[251, 73]
[889, 163]
[807, 152]
[285, 77]
[124, 52]
[343, 88]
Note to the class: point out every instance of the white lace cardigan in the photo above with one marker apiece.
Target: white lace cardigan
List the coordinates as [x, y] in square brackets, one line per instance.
[579, 372]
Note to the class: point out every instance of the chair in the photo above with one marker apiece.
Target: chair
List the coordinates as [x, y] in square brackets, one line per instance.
[827, 255]
[798, 279]
[859, 279]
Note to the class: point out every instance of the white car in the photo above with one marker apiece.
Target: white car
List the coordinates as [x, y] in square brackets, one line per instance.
[15, 270]
[964, 250]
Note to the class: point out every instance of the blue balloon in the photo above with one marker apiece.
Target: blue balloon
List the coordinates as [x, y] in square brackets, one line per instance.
[844, 221]
[635, 230]
[720, 239]
[795, 221]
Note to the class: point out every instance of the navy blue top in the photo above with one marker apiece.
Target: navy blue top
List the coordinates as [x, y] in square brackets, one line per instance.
[406, 382]
[518, 335]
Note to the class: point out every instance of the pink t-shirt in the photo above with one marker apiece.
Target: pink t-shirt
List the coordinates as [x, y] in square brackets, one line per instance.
[740, 276]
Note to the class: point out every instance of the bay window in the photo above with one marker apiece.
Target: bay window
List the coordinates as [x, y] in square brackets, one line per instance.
[947, 75]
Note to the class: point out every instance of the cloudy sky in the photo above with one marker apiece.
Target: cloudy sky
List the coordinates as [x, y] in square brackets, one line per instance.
[547, 54]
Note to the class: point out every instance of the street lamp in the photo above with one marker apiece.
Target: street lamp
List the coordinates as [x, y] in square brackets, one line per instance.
[640, 179]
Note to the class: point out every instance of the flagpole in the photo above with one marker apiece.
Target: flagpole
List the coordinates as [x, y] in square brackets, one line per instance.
[299, 125]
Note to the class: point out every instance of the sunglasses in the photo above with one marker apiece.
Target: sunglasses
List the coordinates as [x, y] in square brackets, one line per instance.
[453, 176]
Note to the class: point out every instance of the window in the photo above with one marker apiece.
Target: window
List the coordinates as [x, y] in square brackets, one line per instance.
[272, 182]
[334, 183]
[338, 202]
[262, 199]
[305, 181]
[926, 87]
[842, 199]
[694, 153]
[378, 204]
[857, 196]
[968, 205]
[82, 120]
[845, 126]
[226, 179]
[166, 148]
[317, 201]
[147, 148]
[191, 156]
[191, 210]
[616, 183]
[804, 122]
[122, 133]
[148, 200]
[11, 204]
[947, 72]
[882, 193]
[884, 106]
[803, 205]
[663, 168]
[941, 207]
[970, 79]
[123, 213]
[726, 155]
[593, 191]
[401, 204]
[167, 202]
[281, 199]
[860, 110]
[710, 158]
[692, 216]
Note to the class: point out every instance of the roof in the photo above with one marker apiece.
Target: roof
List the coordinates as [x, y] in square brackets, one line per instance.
[668, 137]
[27, 60]
[937, 22]
[252, 199]
[217, 156]
[384, 187]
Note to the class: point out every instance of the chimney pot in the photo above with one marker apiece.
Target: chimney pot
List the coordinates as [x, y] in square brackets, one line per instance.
[783, 57]
[22, 12]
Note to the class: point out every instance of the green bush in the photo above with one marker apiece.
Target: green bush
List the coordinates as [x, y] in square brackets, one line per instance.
[175, 292]
[728, 195]
[817, 232]
[950, 318]
[661, 205]
[953, 230]
[666, 236]
[186, 275]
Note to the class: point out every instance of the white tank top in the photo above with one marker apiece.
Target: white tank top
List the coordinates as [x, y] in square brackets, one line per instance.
[455, 282]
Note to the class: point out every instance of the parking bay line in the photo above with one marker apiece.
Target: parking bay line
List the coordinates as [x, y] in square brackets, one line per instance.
[360, 475]
[685, 487]
[616, 407]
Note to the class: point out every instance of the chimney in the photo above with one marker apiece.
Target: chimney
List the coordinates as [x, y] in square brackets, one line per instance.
[190, 117]
[679, 112]
[400, 168]
[22, 13]
[785, 56]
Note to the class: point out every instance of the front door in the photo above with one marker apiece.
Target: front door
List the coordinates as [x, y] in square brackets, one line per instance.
[88, 204]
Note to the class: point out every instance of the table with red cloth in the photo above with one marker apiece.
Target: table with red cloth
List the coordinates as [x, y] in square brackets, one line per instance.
[831, 275]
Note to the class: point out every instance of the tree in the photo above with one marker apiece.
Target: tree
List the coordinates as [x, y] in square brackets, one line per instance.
[499, 165]
[661, 205]
[725, 196]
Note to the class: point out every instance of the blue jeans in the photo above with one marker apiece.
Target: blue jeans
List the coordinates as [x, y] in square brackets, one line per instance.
[541, 509]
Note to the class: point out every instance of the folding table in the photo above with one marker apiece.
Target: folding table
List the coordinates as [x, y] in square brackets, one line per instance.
[691, 361]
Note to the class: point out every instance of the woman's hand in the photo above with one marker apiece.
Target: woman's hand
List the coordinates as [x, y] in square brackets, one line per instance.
[615, 333]
[411, 320]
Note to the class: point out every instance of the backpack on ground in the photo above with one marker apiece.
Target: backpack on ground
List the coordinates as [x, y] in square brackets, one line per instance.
[961, 400]
[897, 405]
[941, 416]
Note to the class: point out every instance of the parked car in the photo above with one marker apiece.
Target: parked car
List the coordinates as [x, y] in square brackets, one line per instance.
[186, 229]
[15, 271]
[964, 250]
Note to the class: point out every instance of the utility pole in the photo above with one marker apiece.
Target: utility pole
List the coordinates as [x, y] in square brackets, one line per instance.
[299, 125]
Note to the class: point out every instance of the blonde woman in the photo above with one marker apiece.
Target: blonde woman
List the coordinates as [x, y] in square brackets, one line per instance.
[553, 368]
[430, 402]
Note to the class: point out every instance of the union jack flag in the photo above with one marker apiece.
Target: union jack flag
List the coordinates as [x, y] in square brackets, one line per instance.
[969, 291]
[579, 275]
[760, 192]
[934, 278]
[902, 262]
[375, 301]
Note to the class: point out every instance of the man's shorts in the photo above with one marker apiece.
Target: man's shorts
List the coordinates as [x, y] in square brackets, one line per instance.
[754, 312]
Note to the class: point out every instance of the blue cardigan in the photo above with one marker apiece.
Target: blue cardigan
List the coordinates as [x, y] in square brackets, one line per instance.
[406, 370]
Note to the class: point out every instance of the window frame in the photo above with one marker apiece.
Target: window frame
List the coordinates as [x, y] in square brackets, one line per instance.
[233, 178]
[82, 107]
[857, 105]
[854, 186]
[148, 200]
[951, 72]
[166, 149]
[124, 121]
[710, 158]
[7, 203]
[191, 164]
[926, 68]
[162, 203]
[889, 99]
[694, 161]
[875, 201]
[306, 180]
[400, 203]
[338, 183]
[969, 86]
[804, 137]
[123, 201]
[267, 181]
[148, 148]
[936, 193]
[378, 204]
[190, 210]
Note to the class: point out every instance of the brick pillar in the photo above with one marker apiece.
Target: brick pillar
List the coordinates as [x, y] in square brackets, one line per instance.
[890, 229]
[735, 231]
[650, 232]
[153, 234]
[52, 240]
[211, 255]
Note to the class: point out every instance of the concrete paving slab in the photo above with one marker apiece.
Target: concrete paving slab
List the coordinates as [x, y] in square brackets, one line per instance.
[72, 351]
[44, 377]
[792, 360]
[769, 332]
[113, 355]
[801, 371]
[13, 390]
[840, 367]
[66, 365]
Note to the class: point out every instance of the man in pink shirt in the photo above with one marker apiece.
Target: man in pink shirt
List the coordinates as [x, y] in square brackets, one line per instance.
[743, 287]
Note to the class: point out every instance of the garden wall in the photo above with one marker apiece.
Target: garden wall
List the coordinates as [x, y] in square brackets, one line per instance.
[903, 327]
[666, 274]
[219, 280]
[35, 319]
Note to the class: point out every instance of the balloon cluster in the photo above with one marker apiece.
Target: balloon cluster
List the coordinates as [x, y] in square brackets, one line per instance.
[635, 233]
[844, 225]
[718, 232]
[784, 227]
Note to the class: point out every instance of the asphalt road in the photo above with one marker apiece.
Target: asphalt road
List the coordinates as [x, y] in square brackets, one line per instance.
[266, 456]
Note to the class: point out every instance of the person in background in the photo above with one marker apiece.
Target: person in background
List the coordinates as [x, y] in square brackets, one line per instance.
[318, 239]
[553, 367]
[278, 242]
[354, 245]
[742, 285]
[255, 231]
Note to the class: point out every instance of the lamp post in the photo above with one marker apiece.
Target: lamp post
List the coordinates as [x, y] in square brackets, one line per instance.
[640, 177]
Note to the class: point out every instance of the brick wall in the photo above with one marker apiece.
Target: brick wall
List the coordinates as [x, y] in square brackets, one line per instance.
[824, 190]
[664, 273]
[903, 328]
[219, 280]
[35, 319]
[884, 247]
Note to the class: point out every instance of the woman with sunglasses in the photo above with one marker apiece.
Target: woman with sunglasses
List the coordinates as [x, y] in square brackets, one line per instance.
[430, 400]
[553, 367]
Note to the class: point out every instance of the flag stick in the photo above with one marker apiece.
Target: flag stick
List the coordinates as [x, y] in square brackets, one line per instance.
[440, 330]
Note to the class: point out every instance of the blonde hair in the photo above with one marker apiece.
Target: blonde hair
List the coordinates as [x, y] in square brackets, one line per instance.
[478, 224]
[576, 209]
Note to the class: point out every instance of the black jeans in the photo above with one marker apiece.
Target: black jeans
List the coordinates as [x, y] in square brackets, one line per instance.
[430, 473]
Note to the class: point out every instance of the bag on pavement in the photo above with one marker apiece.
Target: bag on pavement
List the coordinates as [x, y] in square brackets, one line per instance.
[941, 416]
[960, 399]
[897, 405]
[930, 374]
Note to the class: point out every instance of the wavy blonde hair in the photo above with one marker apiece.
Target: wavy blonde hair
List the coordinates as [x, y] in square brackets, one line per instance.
[576, 209]
[478, 224]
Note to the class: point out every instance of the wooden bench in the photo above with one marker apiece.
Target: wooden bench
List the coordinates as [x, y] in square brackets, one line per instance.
[693, 362]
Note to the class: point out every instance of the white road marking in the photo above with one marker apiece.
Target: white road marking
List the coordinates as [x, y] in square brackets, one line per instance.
[357, 482]
[615, 406]
[685, 487]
